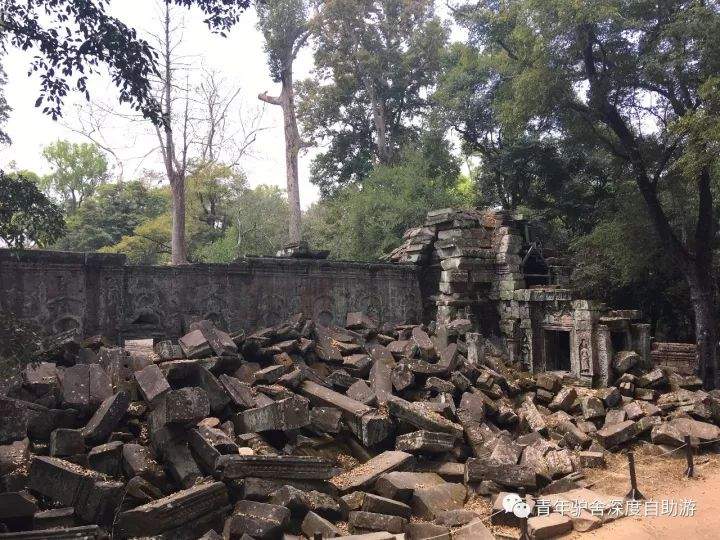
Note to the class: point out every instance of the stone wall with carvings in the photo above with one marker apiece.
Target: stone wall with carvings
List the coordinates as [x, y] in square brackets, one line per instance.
[99, 293]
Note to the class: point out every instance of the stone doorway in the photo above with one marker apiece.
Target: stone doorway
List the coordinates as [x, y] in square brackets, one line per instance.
[557, 350]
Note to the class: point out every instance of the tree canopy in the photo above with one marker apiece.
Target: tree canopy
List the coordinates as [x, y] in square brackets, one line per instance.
[375, 60]
[27, 217]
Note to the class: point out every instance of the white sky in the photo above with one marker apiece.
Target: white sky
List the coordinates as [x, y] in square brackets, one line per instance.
[240, 59]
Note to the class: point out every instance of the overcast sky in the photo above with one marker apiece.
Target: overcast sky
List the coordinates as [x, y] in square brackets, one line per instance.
[239, 57]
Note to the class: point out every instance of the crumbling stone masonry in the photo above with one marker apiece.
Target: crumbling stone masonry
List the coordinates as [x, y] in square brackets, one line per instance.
[99, 294]
[488, 266]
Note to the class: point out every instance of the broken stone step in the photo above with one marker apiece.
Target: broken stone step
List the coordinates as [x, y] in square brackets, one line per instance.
[284, 466]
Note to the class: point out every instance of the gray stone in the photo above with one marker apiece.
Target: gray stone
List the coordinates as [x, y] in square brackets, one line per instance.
[550, 526]
[152, 383]
[257, 520]
[283, 415]
[428, 502]
[106, 418]
[361, 522]
[425, 441]
[369, 472]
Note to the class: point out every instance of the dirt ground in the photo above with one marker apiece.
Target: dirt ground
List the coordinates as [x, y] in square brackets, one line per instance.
[661, 478]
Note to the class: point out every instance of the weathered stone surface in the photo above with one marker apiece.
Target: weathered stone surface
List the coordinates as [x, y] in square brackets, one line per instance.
[625, 360]
[295, 467]
[106, 458]
[477, 470]
[137, 461]
[421, 416]
[427, 531]
[550, 526]
[365, 521]
[195, 345]
[183, 406]
[428, 502]
[17, 505]
[66, 442]
[106, 418]
[476, 530]
[615, 434]
[85, 387]
[564, 399]
[152, 383]
[399, 485]
[326, 419]
[283, 415]
[315, 524]
[59, 480]
[592, 408]
[241, 393]
[369, 472]
[383, 505]
[425, 441]
[88, 532]
[257, 520]
[173, 511]
[592, 459]
[364, 421]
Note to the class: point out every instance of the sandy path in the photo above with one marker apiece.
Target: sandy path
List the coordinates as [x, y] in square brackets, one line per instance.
[705, 524]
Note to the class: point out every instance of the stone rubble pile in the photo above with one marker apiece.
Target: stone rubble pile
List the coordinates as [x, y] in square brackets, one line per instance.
[300, 430]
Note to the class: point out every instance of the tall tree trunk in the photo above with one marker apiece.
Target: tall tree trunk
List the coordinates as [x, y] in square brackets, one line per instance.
[702, 294]
[292, 149]
[177, 241]
[175, 176]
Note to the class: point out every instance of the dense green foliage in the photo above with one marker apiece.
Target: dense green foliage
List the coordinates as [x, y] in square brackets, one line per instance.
[27, 217]
[375, 62]
[76, 172]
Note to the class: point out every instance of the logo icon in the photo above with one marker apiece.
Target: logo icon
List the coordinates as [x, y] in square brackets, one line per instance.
[512, 502]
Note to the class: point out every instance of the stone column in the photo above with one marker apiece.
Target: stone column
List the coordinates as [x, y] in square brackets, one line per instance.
[604, 355]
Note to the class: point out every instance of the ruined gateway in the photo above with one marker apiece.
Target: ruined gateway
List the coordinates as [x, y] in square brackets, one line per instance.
[488, 265]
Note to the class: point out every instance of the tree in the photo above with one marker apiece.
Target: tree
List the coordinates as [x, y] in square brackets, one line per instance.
[114, 211]
[375, 62]
[77, 171]
[286, 27]
[634, 72]
[258, 226]
[4, 107]
[73, 37]
[27, 217]
[365, 222]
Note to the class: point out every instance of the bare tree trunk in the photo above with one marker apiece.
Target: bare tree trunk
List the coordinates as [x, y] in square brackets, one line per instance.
[292, 148]
[175, 176]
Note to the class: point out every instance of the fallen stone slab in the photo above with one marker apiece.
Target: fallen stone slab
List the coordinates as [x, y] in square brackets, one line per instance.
[383, 505]
[514, 476]
[582, 519]
[283, 466]
[184, 406]
[172, 511]
[16, 505]
[152, 383]
[282, 415]
[16, 415]
[425, 441]
[106, 458]
[429, 502]
[88, 532]
[314, 524]
[85, 387]
[367, 473]
[427, 531]
[475, 530]
[359, 521]
[59, 480]
[615, 434]
[106, 418]
[195, 345]
[421, 416]
[66, 442]
[364, 421]
[381, 373]
[400, 485]
[257, 520]
[550, 526]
